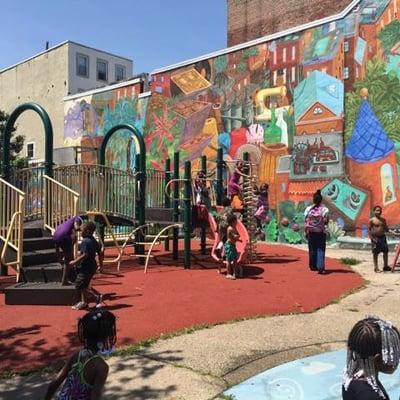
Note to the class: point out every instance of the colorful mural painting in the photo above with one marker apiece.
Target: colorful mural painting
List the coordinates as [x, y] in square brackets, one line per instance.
[319, 109]
[88, 118]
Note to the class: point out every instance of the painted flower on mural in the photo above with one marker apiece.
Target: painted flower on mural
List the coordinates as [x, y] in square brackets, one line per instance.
[162, 138]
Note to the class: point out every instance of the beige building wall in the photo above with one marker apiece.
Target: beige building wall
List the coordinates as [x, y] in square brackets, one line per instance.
[44, 80]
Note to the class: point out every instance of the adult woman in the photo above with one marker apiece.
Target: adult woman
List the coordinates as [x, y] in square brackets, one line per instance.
[316, 218]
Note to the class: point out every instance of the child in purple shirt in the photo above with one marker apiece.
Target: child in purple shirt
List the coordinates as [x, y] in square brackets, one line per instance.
[65, 236]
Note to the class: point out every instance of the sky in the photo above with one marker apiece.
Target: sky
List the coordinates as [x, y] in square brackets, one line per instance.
[154, 33]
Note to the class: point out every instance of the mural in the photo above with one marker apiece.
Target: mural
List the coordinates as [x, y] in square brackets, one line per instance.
[88, 118]
[319, 109]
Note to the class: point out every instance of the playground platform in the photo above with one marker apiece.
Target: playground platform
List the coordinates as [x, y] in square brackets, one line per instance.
[168, 299]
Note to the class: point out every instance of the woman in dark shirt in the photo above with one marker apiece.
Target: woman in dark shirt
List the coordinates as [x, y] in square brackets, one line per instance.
[373, 346]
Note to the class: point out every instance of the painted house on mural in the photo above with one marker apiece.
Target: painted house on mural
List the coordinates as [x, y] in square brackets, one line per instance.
[371, 163]
[283, 99]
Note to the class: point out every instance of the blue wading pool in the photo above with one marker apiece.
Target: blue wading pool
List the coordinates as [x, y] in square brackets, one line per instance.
[313, 378]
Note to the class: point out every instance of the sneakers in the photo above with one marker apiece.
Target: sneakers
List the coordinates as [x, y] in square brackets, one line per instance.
[79, 306]
[99, 301]
[387, 269]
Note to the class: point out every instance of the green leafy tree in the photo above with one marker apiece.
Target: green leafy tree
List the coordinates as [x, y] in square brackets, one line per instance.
[389, 36]
[16, 144]
[384, 97]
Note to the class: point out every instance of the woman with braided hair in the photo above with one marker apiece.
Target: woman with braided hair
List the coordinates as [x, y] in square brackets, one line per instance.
[85, 373]
[373, 346]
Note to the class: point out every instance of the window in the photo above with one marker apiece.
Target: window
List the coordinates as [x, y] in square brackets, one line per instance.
[387, 184]
[346, 47]
[30, 150]
[120, 74]
[284, 55]
[102, 67]
[275, 76]
[293, 53]
[82, 65]
[317, 111]
[284, 75]
[346, 73]
[275, 56]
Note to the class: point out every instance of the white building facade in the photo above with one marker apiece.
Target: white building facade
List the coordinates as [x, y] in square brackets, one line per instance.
[46, 78]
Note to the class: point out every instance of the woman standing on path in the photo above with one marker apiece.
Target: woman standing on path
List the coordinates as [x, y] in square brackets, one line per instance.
[316, 218]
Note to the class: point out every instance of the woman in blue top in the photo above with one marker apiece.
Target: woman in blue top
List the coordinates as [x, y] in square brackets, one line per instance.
[85, 373]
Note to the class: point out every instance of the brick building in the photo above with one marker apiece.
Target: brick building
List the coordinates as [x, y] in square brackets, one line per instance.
[251, 19]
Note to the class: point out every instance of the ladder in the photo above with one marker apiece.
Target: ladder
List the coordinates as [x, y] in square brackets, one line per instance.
[249, 220]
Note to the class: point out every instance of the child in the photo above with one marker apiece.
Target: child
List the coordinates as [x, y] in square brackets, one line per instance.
[87, 266]
[262, 206]
[234, 188]
[377, 230]
[373, 346]
[199, 186]
[65, 236]
[222, 221]
[85, 373]
[316, 218]
[231, 253]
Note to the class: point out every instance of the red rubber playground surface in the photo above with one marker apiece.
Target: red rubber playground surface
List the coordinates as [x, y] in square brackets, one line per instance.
[169, 298]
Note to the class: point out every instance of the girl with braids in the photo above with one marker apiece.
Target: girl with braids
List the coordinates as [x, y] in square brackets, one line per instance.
[85, 373]
[373, 346]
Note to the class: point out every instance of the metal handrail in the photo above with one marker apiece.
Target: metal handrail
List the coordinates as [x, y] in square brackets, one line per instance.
[11, 223]
[156, 240]
[60, 203]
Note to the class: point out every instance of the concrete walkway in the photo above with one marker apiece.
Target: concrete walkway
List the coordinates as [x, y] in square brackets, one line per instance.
[203, 364]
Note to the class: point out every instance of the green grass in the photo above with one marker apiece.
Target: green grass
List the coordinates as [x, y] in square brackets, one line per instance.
[226, 397]
[350, 261]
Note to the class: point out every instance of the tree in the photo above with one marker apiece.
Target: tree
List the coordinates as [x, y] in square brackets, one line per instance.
[16, 144]
[384, 97]
[389, 36]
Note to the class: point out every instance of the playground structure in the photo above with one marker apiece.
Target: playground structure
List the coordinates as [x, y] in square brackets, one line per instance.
[127, 205]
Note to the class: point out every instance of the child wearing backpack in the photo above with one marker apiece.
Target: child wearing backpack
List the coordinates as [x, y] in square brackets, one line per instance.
[85, 373]
[316, 218]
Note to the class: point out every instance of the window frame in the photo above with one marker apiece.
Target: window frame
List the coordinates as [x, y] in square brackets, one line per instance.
[101, 60]
[87, 65]
[123, 68]
[33, 150]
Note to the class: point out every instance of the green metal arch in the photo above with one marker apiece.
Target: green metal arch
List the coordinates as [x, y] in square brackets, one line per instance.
[138, 136]
[48, 130]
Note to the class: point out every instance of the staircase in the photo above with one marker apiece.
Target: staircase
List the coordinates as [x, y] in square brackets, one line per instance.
[40, 281]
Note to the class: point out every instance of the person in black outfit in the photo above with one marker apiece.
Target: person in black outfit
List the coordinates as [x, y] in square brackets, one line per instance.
[86, 266]
[373, 346]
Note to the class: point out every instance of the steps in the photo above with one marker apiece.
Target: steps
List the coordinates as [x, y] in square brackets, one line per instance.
[38, 293]
[41, 273]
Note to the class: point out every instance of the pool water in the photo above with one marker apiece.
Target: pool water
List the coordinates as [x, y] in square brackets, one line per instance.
[313, 378]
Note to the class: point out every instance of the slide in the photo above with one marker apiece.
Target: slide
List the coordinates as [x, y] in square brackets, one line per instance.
[241, 246]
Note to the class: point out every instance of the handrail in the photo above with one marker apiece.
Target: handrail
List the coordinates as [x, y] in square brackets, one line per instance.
[12, 211]
[156, 240]
[119, 249]
[169, 184]
[12, 187]
[60, 203]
